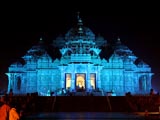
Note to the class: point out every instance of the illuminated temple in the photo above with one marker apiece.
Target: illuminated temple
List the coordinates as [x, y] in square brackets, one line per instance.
[79, 65]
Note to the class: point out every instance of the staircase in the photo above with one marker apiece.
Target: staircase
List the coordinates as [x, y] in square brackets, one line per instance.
[118, 104]
[45, 104]
[72, 104]
[81, 104]
[89, 103]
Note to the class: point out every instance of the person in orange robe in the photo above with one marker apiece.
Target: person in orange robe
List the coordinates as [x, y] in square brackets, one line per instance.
[4, 109]
[13, 114]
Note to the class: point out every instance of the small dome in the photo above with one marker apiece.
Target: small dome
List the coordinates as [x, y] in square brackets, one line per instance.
[121, 49]
[36, 50]
[99, 37]
[100, 41]
[142, 64]
[73, 34]
[18, 63]
[59, 41]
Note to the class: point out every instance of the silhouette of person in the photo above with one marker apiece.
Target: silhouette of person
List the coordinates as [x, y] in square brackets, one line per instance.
[4, 109]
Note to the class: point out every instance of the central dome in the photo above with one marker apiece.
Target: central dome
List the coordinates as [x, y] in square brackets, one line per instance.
[73, 34]
[80, 32]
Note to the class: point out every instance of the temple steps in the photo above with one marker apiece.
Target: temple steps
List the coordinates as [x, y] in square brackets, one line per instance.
[90, 103]
[81, 104]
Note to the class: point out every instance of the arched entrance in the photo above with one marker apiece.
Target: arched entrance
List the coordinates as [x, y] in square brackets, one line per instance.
[80, 80]
[142, 83]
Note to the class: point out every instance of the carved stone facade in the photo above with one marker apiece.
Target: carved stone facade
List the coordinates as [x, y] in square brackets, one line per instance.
[80, 65]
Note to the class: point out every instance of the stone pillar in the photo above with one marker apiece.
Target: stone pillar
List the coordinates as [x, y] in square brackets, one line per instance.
[62, 80]
[9, 82]
[73, 81]
[98, 79]
[149, 82]
[14, 84]
[62, 76]
[88, 82]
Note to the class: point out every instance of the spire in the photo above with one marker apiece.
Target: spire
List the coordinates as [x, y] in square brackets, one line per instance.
[118, 40]
[40, 40]
[80, 24]
[78, 15]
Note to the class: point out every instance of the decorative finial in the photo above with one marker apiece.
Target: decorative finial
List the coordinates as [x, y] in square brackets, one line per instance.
[118, 39]
[40, 39]
[80, 22]
[78, 15]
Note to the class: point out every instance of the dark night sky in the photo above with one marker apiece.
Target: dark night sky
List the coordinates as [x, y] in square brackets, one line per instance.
[138, 28]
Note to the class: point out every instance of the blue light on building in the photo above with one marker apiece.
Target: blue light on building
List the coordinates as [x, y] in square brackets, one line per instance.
[80, 65]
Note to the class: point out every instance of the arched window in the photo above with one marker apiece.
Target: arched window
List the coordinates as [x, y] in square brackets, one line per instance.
[18, 83]
[142, 83]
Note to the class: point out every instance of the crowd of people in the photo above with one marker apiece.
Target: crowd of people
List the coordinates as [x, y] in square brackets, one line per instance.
[8, 111]
[15, 107]
[141, 103]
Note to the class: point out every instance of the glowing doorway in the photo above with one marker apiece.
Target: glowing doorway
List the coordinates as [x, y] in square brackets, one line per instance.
[80, 80]
[93, 80]
[68, 80]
